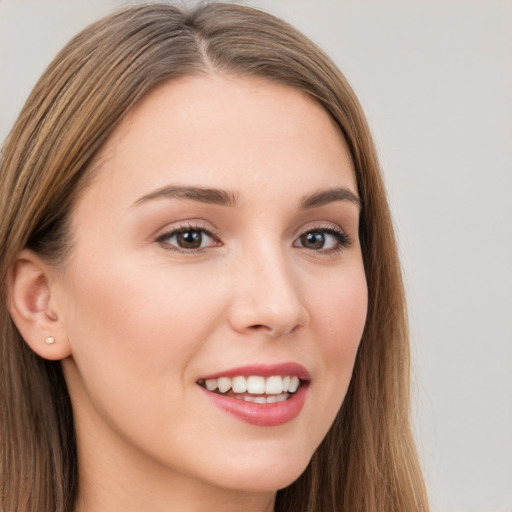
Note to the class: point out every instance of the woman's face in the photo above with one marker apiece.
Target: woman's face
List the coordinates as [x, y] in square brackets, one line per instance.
[216, 246]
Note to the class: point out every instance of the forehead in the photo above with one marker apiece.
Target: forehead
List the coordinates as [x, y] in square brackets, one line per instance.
[241, 133]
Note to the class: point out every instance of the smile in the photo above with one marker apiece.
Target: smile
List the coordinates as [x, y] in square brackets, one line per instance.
[254, 388]
[261, 395]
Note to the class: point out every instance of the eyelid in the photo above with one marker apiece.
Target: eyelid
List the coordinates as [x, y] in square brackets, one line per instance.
[321, 225]
[176, 229]
[343, 238]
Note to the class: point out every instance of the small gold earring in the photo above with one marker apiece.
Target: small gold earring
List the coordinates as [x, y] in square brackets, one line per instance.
[50, 340]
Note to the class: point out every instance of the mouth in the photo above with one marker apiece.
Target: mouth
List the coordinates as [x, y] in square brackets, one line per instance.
[260, 395]
[254, 388]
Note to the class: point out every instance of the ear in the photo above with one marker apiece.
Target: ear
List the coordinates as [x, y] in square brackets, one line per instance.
[32, 308]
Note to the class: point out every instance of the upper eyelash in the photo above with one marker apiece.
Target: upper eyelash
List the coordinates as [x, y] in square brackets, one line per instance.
[183, 229]
[343, 238]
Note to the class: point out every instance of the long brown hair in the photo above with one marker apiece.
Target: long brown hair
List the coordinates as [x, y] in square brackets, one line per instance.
[368, 460]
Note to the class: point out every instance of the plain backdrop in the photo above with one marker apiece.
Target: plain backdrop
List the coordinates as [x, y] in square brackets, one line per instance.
[435, 79]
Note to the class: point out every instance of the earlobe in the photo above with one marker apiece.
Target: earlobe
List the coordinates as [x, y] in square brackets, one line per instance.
[32, 310]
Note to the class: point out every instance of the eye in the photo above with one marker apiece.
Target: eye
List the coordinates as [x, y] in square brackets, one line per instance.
[188, 239]
[324, 240]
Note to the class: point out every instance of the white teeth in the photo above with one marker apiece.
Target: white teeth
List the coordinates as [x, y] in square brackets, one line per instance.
[277, 398]
[224, 384]
[239, 384]
[265, 399]
[274, 385]
[294, 384]
[211, 384]
[256, 385]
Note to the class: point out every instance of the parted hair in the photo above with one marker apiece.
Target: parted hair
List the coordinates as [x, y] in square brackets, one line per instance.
[368, 460]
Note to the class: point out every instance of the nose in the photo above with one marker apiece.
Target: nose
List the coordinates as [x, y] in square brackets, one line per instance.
[267, 297]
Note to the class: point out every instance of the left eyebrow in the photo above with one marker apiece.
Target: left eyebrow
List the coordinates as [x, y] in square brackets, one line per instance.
[324, 197]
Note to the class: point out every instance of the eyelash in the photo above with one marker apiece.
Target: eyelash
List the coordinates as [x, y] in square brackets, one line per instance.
[186, 229]
[343, 239]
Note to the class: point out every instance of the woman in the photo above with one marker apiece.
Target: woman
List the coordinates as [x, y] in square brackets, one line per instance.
[202, 306]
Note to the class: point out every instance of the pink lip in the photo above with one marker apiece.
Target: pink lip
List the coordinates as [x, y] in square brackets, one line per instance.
[263, 415]
[282, 369]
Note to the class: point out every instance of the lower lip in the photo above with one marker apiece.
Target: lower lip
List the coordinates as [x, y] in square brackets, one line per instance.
[262, 415]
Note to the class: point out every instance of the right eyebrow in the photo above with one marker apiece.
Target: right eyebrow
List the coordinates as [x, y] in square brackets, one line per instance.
[200, 194]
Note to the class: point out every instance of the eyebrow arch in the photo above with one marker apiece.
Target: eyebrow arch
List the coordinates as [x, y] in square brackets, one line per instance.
[200, 194]
[328, 196]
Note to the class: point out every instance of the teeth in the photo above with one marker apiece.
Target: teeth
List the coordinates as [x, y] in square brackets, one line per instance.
[274, 385]
[265, 399]
[239, 385]
[256, 385]
[294, 384]
[211, 384]
[224, 384]
[277, 398]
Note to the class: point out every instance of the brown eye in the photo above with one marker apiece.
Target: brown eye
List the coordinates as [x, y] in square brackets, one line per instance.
[324, 240]
[189, 239]
[313, 240]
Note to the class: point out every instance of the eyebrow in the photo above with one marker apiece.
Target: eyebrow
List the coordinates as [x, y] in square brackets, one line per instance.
[324, 197]
[200, 194]
[227, 198]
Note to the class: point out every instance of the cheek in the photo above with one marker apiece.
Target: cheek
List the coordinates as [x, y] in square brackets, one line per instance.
[134, 331]
[131, 297]
[337, 319]
[340, 312]
[133, 321]
[339, 323]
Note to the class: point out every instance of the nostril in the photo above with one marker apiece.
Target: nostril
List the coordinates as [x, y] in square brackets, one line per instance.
[261, 318]
[269, 330]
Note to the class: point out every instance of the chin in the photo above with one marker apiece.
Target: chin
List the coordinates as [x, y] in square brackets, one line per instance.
[271, 477]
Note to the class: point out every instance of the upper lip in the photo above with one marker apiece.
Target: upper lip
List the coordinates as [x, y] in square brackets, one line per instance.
[263, 370]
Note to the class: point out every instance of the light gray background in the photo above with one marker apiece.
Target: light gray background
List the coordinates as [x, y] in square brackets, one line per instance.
[435, 78]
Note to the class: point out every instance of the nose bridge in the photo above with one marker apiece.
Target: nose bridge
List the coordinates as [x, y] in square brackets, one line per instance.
[268, 295]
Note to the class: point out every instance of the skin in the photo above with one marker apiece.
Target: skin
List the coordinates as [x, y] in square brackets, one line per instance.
[143, 319]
